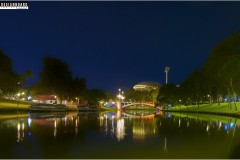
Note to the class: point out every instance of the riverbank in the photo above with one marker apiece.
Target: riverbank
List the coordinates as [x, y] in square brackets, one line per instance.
[215, 109]
[13, 106]
[103, 108]
[206, 117]
[22, 106]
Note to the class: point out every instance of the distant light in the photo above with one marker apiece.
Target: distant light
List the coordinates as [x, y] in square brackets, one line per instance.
[29, 97]
[29, 122]
[23, 93]
[225, 127]
[18, 94]
[220, 124]
[18, 126]
[231, 125]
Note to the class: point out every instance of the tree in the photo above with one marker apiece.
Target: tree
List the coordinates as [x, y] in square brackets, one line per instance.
[223, 65]
[55, 77]
[93, 96]
[167, 95]
[78, 89]
[8, 79]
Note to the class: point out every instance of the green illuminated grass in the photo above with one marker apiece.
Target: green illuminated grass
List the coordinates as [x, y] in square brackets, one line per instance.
[103, 108]
[10, 105]
[211, 108]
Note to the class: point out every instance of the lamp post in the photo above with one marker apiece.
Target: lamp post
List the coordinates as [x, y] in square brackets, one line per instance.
[122, 96]
[167, 70]
[119, 98]
[18, 95]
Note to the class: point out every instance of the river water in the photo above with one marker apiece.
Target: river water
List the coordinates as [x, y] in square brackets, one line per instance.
[131, 134]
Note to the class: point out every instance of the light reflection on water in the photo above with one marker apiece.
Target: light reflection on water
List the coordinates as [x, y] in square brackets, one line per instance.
[166, 135]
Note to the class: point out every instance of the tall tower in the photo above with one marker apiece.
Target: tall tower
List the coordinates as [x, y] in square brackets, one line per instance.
[166, 70]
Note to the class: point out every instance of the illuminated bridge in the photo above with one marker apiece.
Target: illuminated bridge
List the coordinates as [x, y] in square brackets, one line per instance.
[128, 104]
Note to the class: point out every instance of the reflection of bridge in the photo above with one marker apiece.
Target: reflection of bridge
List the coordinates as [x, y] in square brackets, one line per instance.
[128, 104]
[139, 116]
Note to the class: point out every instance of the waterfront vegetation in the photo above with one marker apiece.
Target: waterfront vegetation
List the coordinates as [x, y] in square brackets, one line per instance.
[217, 81]
[210, 108]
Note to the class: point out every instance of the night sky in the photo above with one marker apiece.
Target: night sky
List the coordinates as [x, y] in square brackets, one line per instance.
[117, 44]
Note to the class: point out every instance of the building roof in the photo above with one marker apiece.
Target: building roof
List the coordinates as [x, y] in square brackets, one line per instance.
[146, 86]
[44, 97]
[150, 83]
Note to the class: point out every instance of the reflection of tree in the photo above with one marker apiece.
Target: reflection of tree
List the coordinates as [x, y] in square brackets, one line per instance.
[143, 128]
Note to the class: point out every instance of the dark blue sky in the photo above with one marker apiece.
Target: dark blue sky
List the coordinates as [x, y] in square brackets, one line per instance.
[117, 44]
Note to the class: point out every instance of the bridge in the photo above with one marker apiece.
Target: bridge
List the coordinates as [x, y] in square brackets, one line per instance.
[138, 116]
[128, 104]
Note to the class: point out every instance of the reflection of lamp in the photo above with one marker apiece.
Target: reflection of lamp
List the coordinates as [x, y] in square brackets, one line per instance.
[120, 129]
[165, 144]
[20, 136]
[55, 129]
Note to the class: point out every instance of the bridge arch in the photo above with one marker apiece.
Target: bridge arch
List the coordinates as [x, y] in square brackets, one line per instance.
[125, 105]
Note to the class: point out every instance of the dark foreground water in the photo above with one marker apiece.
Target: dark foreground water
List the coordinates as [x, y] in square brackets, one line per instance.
[135, 134]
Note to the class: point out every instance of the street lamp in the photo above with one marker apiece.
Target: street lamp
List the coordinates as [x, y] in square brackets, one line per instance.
[166, 70]
[18, 95]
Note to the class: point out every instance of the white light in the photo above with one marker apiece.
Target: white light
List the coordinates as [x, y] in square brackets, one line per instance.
[29, 97]
[18, 126]
[22, 126]
[29, 122]
[23, 93]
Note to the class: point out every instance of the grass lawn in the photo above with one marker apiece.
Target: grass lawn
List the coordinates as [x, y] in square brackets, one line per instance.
[11, 105]
[211, 108]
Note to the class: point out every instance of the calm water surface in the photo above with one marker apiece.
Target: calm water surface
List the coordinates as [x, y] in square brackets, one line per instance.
[135, 134]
